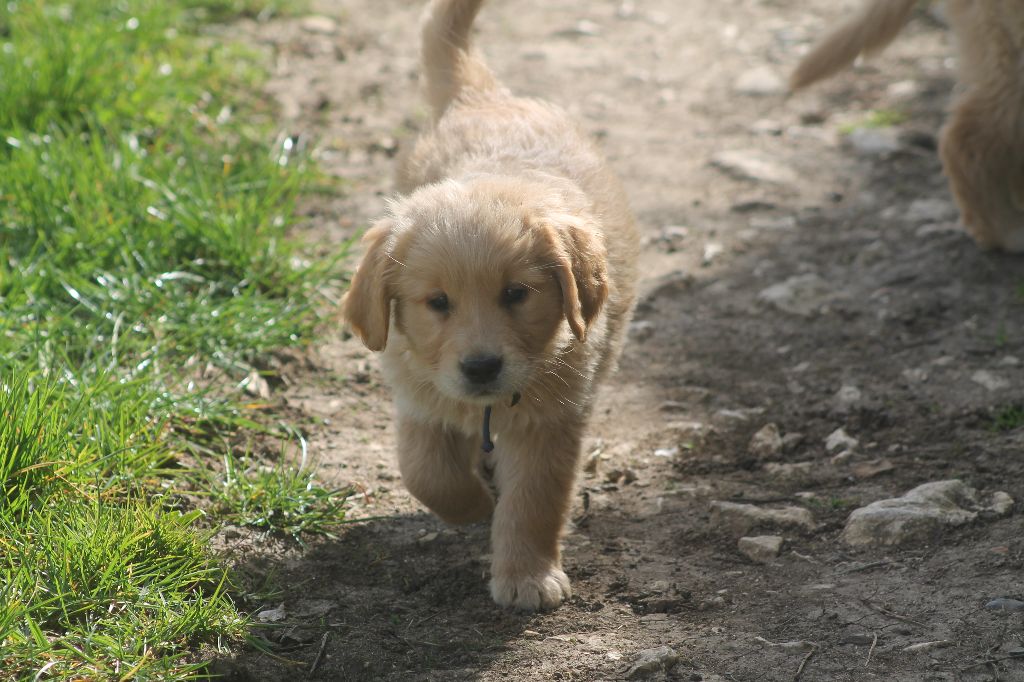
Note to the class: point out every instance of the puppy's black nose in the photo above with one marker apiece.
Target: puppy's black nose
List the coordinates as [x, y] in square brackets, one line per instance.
[481, 369]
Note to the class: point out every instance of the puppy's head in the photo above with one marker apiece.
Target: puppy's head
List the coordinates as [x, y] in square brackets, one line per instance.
[482, 281]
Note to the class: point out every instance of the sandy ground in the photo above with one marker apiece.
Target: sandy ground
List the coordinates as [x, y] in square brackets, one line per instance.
[826, 286]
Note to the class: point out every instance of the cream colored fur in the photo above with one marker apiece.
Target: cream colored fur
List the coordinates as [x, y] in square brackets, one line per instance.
[982, 143]
[500, 194]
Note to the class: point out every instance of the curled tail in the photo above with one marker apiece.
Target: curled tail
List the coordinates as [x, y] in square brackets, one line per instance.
[449, 65]
[877, 24]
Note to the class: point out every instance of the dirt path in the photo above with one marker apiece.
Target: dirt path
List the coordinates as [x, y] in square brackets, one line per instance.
[831, 290]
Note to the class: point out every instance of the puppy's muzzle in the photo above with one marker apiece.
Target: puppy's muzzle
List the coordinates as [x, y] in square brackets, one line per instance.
[480, 370]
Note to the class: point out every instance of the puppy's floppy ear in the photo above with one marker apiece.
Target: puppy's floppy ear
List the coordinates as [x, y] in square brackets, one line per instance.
[581, 268]
[367, 304]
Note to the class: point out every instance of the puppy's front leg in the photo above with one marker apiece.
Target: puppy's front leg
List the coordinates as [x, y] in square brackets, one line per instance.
[439, 467]
[535, 471]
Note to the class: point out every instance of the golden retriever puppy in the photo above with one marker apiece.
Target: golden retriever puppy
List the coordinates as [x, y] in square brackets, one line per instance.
[982, 143]
[498, 287]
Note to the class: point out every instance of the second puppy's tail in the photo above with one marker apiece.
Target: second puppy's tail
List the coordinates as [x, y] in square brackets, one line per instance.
[449, 65]
[877, 24]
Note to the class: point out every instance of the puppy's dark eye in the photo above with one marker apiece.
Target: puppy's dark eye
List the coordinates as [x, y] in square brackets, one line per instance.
[438, 303]
[513, 294]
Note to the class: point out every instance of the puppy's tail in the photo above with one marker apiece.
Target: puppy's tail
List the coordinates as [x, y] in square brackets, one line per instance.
[868, 33]
[449, 65]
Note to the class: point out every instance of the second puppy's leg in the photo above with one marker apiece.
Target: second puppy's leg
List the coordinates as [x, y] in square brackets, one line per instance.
[440, 468]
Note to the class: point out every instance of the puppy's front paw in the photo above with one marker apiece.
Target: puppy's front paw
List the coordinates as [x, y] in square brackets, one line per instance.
[544, 590]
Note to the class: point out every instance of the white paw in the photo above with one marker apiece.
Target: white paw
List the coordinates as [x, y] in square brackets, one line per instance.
[544, 590]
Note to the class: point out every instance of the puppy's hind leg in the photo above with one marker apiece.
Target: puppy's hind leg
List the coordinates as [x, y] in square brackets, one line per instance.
[982, 150]
[440, 468]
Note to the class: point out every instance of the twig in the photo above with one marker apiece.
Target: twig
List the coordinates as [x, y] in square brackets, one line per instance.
[868, 566]
[886, 612]
[871, 650]
[800, 670]
[319, 655]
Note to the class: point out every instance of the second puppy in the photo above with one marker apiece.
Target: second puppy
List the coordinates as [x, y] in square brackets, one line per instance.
[982, 143]
[498, 288]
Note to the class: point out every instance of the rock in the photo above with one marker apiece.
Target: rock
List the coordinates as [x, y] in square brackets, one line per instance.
[584, 28]
[641, 330]
[712, 250]
[670, 453]
[903, 90]
[776, 223]
[792, 441]
[920, 513]
[672, 238]
[759, 81]
[800, 295]
[272, 615]
[760, 548]
[764, 126]
[319, 24]
[930, 211]
[873, 141]
[1003, 604]
[766, 444]
[650, 661]
[992, 382]
[794, 472]
[846, 398]
[740, 519]
[748, 164]
[840, 440]
[1010, 361]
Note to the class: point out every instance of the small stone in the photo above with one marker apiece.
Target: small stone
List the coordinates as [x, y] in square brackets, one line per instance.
[840, 440]
[766, 444]
[764, 126]
[272, 615]
[760, 548]
[846, 398]
[915, 375]
[666, 452]
[613, 655]
[740, 519]
[930, 211]
[747, 164]
[903, 90]
[650, 661]
[793, 472]
[428, 538]
[641, 330]
[773, 223]
[1003, 604]
[1010, 361]
[584, 28]
[990, 381]
[792, 441]
[319, 24]
[921, 513]
[711, 251]
[842, 458]
[873, 141]
[659, 586]
[759, 81]
[800, 295]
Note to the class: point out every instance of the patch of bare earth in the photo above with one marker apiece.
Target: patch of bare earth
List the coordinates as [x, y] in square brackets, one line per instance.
[791, 278]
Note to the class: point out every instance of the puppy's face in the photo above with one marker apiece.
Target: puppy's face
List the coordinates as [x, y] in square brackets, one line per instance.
[482, 288]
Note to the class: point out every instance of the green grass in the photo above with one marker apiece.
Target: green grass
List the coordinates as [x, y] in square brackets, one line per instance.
[876, 118]
[1008, 418]
[146, 264]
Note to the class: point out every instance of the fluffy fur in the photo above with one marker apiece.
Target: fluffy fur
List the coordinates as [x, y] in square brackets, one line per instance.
[982, 143]
[511, 240]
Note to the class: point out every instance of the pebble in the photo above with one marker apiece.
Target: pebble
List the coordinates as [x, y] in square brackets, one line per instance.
[847, 397]
[641, 330]
[740, 519]
[760, 548]
[766, 444]
[776, 223]
[991, 381]
[759, 81]
[584, 28]
[840, 440]
[650, 661]
[272, 615]
[1003, 604]
[319, 24]
[800, 295]
[711, 251]
[921, 513]
[792, 441]
[930, 211]
[873, 141]
[748, 164]
[766, 126]
[903, 90]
